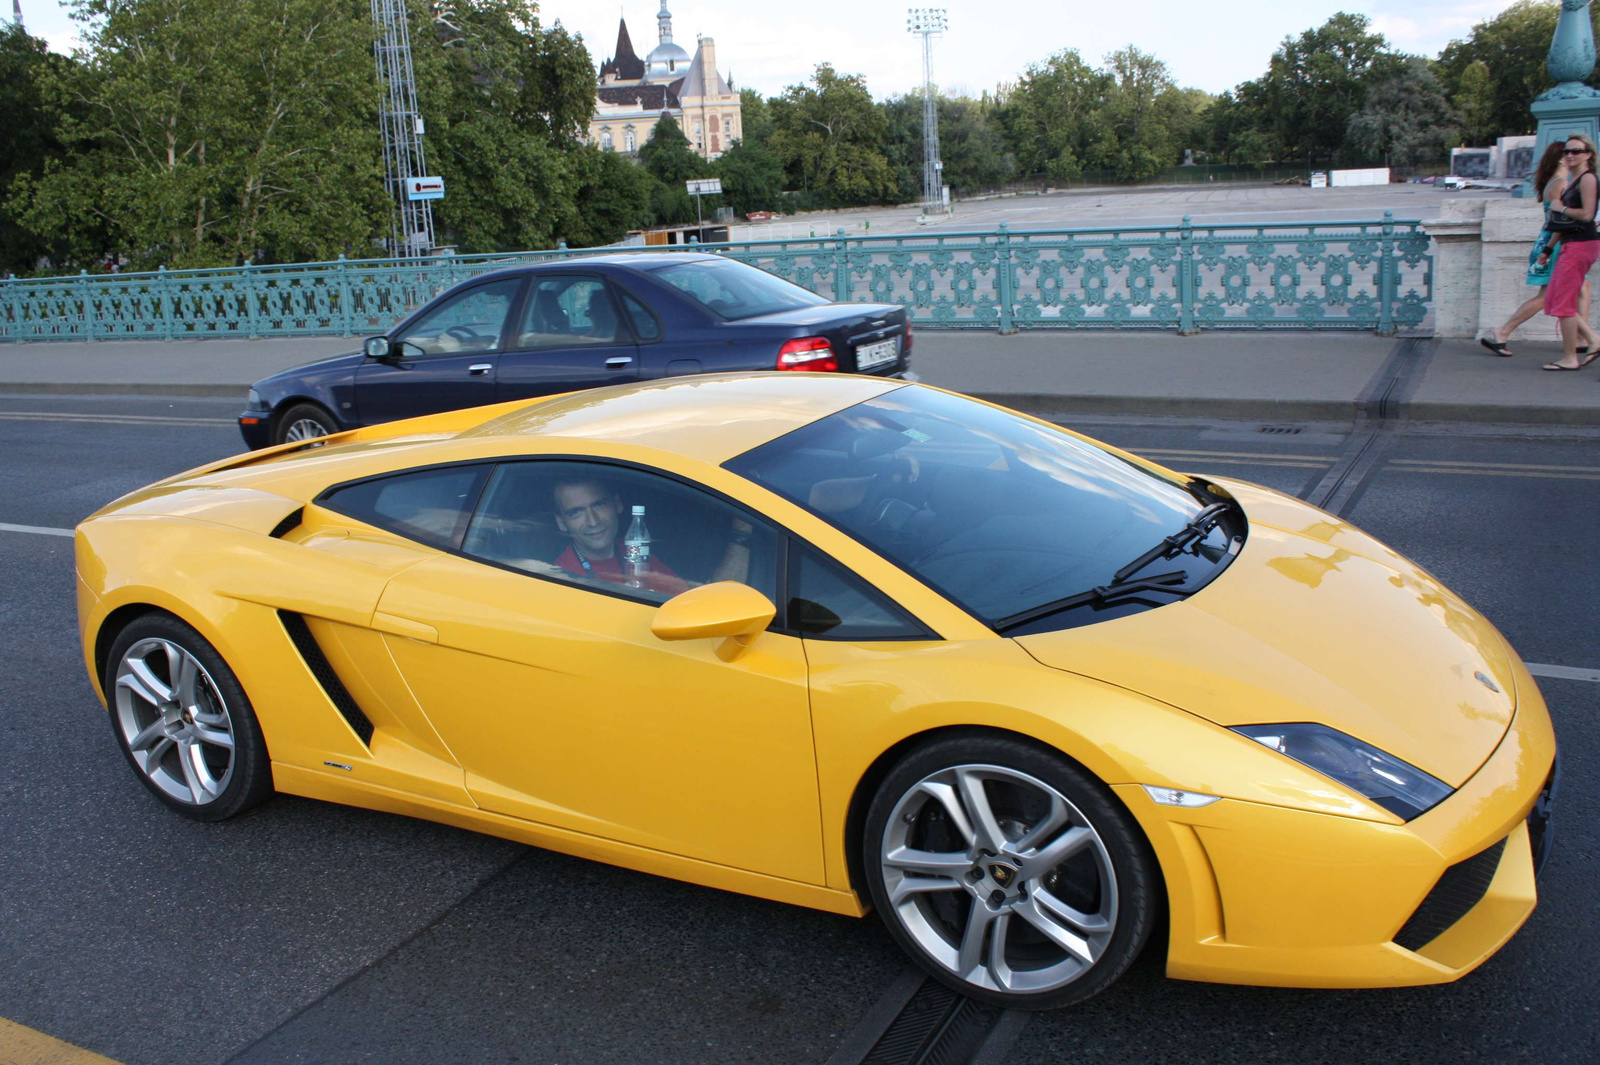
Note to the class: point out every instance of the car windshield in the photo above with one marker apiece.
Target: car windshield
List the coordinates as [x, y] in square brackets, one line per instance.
[733, 290]
[1001, 514]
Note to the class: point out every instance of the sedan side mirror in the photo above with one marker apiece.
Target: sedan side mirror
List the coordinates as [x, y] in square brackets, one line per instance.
[376, 347]
[726, 608]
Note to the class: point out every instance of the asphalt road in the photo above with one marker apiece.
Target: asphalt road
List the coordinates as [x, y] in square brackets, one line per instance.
[311, 932]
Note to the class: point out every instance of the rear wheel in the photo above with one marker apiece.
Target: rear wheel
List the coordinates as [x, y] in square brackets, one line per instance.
[1008, 872]
[183, 721]
[304, 421]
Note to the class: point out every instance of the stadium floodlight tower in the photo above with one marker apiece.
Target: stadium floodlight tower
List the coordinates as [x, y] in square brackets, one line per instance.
[929, 22]
[411, 215]
[16, 13]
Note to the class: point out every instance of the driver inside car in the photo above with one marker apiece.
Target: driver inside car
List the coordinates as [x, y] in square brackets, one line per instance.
[589, 513]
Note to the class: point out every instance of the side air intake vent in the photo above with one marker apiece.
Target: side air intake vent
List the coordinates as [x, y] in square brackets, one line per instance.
[290, 522]
[300, 634]
[1462, 887]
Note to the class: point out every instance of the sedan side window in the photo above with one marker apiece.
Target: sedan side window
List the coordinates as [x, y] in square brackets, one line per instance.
[570, 521]
[568, 312]
[824, 601]
[645, 326]
[467, 323]
[432, 506]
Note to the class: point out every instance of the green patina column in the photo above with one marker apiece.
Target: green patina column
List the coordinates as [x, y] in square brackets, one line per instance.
[1570, 107]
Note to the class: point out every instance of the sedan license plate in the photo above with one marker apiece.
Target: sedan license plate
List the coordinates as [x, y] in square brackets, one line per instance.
[869, 356]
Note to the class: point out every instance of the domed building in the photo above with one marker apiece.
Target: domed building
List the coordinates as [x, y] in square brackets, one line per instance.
[635, 94]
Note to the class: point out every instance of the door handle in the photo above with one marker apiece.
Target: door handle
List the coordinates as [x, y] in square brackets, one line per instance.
[617, 362]
[478, 369]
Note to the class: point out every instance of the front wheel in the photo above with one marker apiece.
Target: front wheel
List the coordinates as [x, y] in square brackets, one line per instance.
[305, 421]
[183, 721]
[1008, 872]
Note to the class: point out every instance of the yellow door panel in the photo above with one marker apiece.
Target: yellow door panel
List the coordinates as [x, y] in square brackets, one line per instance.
[564, 708]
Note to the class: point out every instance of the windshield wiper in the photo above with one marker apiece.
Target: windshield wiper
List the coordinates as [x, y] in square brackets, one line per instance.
[1197, 527]
[1105, 593]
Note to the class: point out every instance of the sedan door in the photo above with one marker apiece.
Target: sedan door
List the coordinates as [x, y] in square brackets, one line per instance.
[564, 708]
[445, 360]
[569, 336]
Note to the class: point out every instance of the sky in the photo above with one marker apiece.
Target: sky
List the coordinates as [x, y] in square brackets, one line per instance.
[765, 46]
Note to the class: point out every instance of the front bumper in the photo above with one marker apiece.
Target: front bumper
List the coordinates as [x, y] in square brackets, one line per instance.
[1268, 895]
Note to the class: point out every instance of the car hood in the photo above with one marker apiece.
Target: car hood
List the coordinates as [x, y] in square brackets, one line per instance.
[1314, 621]
[340, 365]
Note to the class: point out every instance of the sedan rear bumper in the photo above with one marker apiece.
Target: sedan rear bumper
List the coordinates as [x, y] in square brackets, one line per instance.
[1274, 896]
[256, 428]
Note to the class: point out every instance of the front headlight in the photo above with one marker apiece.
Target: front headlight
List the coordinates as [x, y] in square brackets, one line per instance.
[253, 401]
[1399, 787]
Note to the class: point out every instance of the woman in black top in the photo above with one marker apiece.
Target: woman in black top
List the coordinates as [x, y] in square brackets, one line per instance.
[1580, 245]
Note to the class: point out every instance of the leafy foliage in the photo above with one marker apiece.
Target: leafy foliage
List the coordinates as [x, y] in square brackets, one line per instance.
[829, 136]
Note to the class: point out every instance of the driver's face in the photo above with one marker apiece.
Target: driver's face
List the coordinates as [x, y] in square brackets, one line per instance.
[587, 512]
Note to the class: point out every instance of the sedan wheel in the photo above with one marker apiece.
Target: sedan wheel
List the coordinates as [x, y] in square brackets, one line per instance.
[1016, 879]
[183, 722]
[307, 421]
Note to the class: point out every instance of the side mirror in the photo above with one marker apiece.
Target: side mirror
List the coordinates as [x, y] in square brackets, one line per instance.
[376, 347]
[726, 608]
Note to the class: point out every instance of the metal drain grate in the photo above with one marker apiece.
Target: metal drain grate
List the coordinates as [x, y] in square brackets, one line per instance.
[1279, 430]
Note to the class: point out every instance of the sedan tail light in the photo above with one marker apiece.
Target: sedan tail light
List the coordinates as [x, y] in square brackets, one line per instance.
[807, 353]
[906, 347]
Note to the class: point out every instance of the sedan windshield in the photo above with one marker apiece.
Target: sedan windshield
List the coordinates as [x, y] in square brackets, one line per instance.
[1005, 516]
[735, 290]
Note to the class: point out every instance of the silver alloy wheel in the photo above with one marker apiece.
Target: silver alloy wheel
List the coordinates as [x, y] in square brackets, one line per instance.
[304, 429]
[999, 878]
[175, 721]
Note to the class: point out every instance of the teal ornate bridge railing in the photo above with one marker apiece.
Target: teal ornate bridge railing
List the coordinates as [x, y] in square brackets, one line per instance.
[1371, 275]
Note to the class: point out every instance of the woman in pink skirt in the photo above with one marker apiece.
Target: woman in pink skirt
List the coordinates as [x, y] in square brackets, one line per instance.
[1580, 245]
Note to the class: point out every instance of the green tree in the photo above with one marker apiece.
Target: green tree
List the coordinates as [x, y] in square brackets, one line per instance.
[1475, 102]
[1316, 81]
[209, 131]
[1406, 119]
[829, 135]
[506, 102]
[1049, 115]
[669, 159]
[1512, 48]
[971, 145]
[1143, 118]
[612, 196]
[27, 141]
[752, 177]
[755, 117]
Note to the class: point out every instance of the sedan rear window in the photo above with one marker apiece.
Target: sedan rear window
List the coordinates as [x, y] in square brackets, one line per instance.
[733, 290]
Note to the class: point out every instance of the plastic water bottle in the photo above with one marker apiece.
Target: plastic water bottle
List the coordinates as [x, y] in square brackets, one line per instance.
[636, 551]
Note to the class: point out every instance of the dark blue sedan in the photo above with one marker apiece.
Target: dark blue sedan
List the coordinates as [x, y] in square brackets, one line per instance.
[579, 323]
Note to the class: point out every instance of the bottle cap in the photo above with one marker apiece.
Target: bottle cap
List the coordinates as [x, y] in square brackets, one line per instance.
[638, 512]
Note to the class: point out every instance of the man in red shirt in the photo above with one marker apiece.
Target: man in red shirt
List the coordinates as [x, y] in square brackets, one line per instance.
[590, 513]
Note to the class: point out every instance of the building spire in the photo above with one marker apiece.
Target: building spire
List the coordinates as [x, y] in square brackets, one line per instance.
[16, 12]
[664, 22]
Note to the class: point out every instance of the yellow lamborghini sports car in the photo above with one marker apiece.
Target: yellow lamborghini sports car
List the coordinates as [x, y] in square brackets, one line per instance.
[854, 644]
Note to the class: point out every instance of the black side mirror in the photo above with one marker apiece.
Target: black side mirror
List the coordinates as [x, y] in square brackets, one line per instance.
[376, 347]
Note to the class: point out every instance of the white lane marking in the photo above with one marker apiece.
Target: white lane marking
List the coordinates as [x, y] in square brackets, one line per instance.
[108, 419]
[1539, 669]
[37, 530]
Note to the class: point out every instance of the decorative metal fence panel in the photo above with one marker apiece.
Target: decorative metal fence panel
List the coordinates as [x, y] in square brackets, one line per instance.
[1375, 275]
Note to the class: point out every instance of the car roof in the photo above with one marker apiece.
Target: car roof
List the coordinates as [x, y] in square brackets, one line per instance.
[710, 417]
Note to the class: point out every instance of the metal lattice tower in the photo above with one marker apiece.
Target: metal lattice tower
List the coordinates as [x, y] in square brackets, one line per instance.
[928, 23]
[411, 222]
[16, 13]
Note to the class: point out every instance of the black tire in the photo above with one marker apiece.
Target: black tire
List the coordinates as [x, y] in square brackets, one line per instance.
[306, 418]
[1109, 877]
[178, 751]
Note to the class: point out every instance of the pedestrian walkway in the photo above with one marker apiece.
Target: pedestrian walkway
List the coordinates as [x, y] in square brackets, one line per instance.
[1266, 376]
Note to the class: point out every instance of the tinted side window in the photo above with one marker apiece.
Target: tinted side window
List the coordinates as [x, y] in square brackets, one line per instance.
[567, 312]
[825, 601]
[568, 521]
[467, 323]
[429, 505]
[645, 326]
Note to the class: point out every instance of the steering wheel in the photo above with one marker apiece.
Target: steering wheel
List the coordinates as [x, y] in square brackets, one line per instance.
[464, 333]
